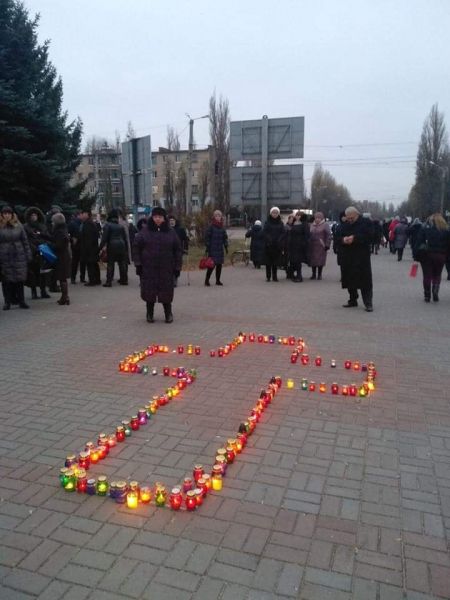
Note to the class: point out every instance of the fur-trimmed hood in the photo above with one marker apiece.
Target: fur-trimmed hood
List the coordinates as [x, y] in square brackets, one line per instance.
[37, 211]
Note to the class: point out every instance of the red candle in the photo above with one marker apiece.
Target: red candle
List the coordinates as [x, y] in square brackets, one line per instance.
[251, 337]
[334, 388]
[353, 389]
[291, 340]
[312, 386]
[260, 339]
[134, 423]
[197, 350]
[84, 460]
[243, 438]
[278, 381]
[180, 349]
[294, 357]
[166, 371]
[230, 454]
[305, 359]
[112, 441]
[191, 500]
[318, 361]
[345, 390]
[175, 498]
[187, 484]
[220, 352]
[356, 366]
[81, 483]
[198, 472]
[348, 364]
[212, 353]
[199, 496]
[120, 433]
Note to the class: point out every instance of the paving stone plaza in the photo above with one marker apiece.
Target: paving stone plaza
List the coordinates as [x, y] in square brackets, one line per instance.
[333, 498]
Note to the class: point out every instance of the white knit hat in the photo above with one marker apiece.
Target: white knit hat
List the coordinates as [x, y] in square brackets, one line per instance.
[275, 211]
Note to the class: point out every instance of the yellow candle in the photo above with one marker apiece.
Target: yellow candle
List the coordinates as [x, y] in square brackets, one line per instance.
[290, 384]
[132, 499]
[217, 482]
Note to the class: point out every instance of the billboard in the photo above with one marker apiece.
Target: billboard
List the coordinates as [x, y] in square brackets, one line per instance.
[137, 171]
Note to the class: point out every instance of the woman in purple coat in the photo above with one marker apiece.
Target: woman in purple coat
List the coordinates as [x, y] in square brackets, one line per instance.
[157, 258]
[319, 244]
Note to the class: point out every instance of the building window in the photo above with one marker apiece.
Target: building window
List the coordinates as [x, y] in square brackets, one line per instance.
[195, 189]
[91, 160]
[155, 174]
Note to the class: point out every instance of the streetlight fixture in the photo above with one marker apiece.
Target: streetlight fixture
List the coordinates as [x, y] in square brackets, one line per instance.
[189, 170]
[443, 171]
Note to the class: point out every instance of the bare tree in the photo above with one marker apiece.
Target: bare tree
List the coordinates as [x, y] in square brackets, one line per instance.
[173, 139]
[180, 188]
[219, 130]
[96, 143]
[203, 182]
[169, 183]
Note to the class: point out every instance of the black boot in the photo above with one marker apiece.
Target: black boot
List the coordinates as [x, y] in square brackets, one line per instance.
[313, 276]
[150, 312]
[319, 273]
[435, 290]
[44, 293]
[64, 294]
[168, 313]
[21, 296]
[427, 292]
[34, 295]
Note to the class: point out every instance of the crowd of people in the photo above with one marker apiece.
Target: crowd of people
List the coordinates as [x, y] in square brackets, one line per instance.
[157, 244]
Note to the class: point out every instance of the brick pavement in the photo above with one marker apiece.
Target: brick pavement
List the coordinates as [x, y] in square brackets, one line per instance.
[334, 498]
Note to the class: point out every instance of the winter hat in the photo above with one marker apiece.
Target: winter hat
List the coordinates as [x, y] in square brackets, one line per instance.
[158, 210]
[275, 211]
[257, 222]
[7, 209]
[58, 219]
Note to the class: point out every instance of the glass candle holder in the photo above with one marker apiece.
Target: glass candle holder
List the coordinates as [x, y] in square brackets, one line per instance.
[333, 363]
[198, 472]
[312, 386]
[334, 388]
[142, 416]
[145, 494]
[121, 492]
[84, 460]
[230, 454]
[345, 390]
[207, 479]
[134, 423]
[197, 350]
[102, 486]
[127, 428]
[242, 438]
[304, 359]
[70, 481]
[112, 441]
[187, 484]
[304, 384]
[356, 366]
[103, 451]
[318, 361]
[216, 479]
[222, 462]
[70, 461]
[201, 485]
[191, 500]
[290, 384]
[175, 498]
[190, 349]
[132, 499]
[120, 433]
[166, 371]
[180, 349]
[212, 353]
[348, 364]
[81, 481]
[95, 456]
[63, 476]
[160, 494]
[251, 423]
[199, 496]
[220, 352]
[294, 358]
[91, 487]
[352, 390]
[251, 337]
[322, 387]
[154, 371]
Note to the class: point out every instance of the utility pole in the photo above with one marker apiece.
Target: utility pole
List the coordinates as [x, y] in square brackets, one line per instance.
[264, 164]
[189, 170]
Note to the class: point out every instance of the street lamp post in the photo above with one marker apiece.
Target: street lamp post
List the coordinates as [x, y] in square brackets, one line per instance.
[188, 207]
[443, 172]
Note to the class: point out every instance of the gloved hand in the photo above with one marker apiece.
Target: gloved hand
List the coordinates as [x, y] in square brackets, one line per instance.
[138, 270]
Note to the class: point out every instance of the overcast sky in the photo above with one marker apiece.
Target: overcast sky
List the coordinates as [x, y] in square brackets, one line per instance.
[363, 73]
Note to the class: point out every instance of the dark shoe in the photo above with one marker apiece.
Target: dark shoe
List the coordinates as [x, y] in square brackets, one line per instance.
[63, 301]
[150, 312]
[369, 308]
[219, 283]
[150, 319]
[107, 285]
[435, 290]
[427, 299]
[207, 283]
[34, 295]
[168, 312]
[313, 277]
[268, 279]
[169, 318]
[275, 279]
[319, 277]
[123, 282]
[7, 306]
[350, 304]
[23, 305]
[45, 295]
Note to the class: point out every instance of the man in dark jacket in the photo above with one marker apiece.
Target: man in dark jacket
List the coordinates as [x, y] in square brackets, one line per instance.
[113, 237]
[89, 247]
[354, 238]
[74, 229]
[184, 241]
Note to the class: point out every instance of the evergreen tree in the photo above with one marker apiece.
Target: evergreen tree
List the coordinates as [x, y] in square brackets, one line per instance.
[39, 150]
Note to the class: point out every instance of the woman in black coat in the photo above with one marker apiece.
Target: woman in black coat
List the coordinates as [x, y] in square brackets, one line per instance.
[37, 234]
[59, 243]
[256, 236]
[274, 236]
[216, 240]
[157, 256]
[297, 245]
[433, 249]
[114, 238]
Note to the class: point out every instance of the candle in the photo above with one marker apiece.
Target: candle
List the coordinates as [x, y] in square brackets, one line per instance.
[120, 433]
[334, 388]
[271, 339]
[145, 494]
[121, 491]
[260, 339]
[191, 500]
[180, 349]
[198, 472]
[251, 423]
[190, 349]
[348, 364]
[127, 428]
[198, 496]
[84, 460]
[318, 361]
[187, 484]
[212, 353]
[63, 476]
[333, 363]
[221, 461]
[312, 386]
[142, 416]
[362, 391]
[278, 381]
[291, 340]
[352, 390]
[95, 456]
[132, 499]
[238, 445]
[290, 384]
[251, 337]
[70, 481]
[345, 390]
[356, 366]
[71, 459]
[242, 437]
[134, 423]
[220, 352]
[322, 387]
[166, 371]
[304, 359]
[91, 487]
[304, 384]
[160, 494]
[112, 440]
[175, 498]
[202, 486]
[81, 481]
[217, 480]
[197, 350]
[230, 454]
[102, 486]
